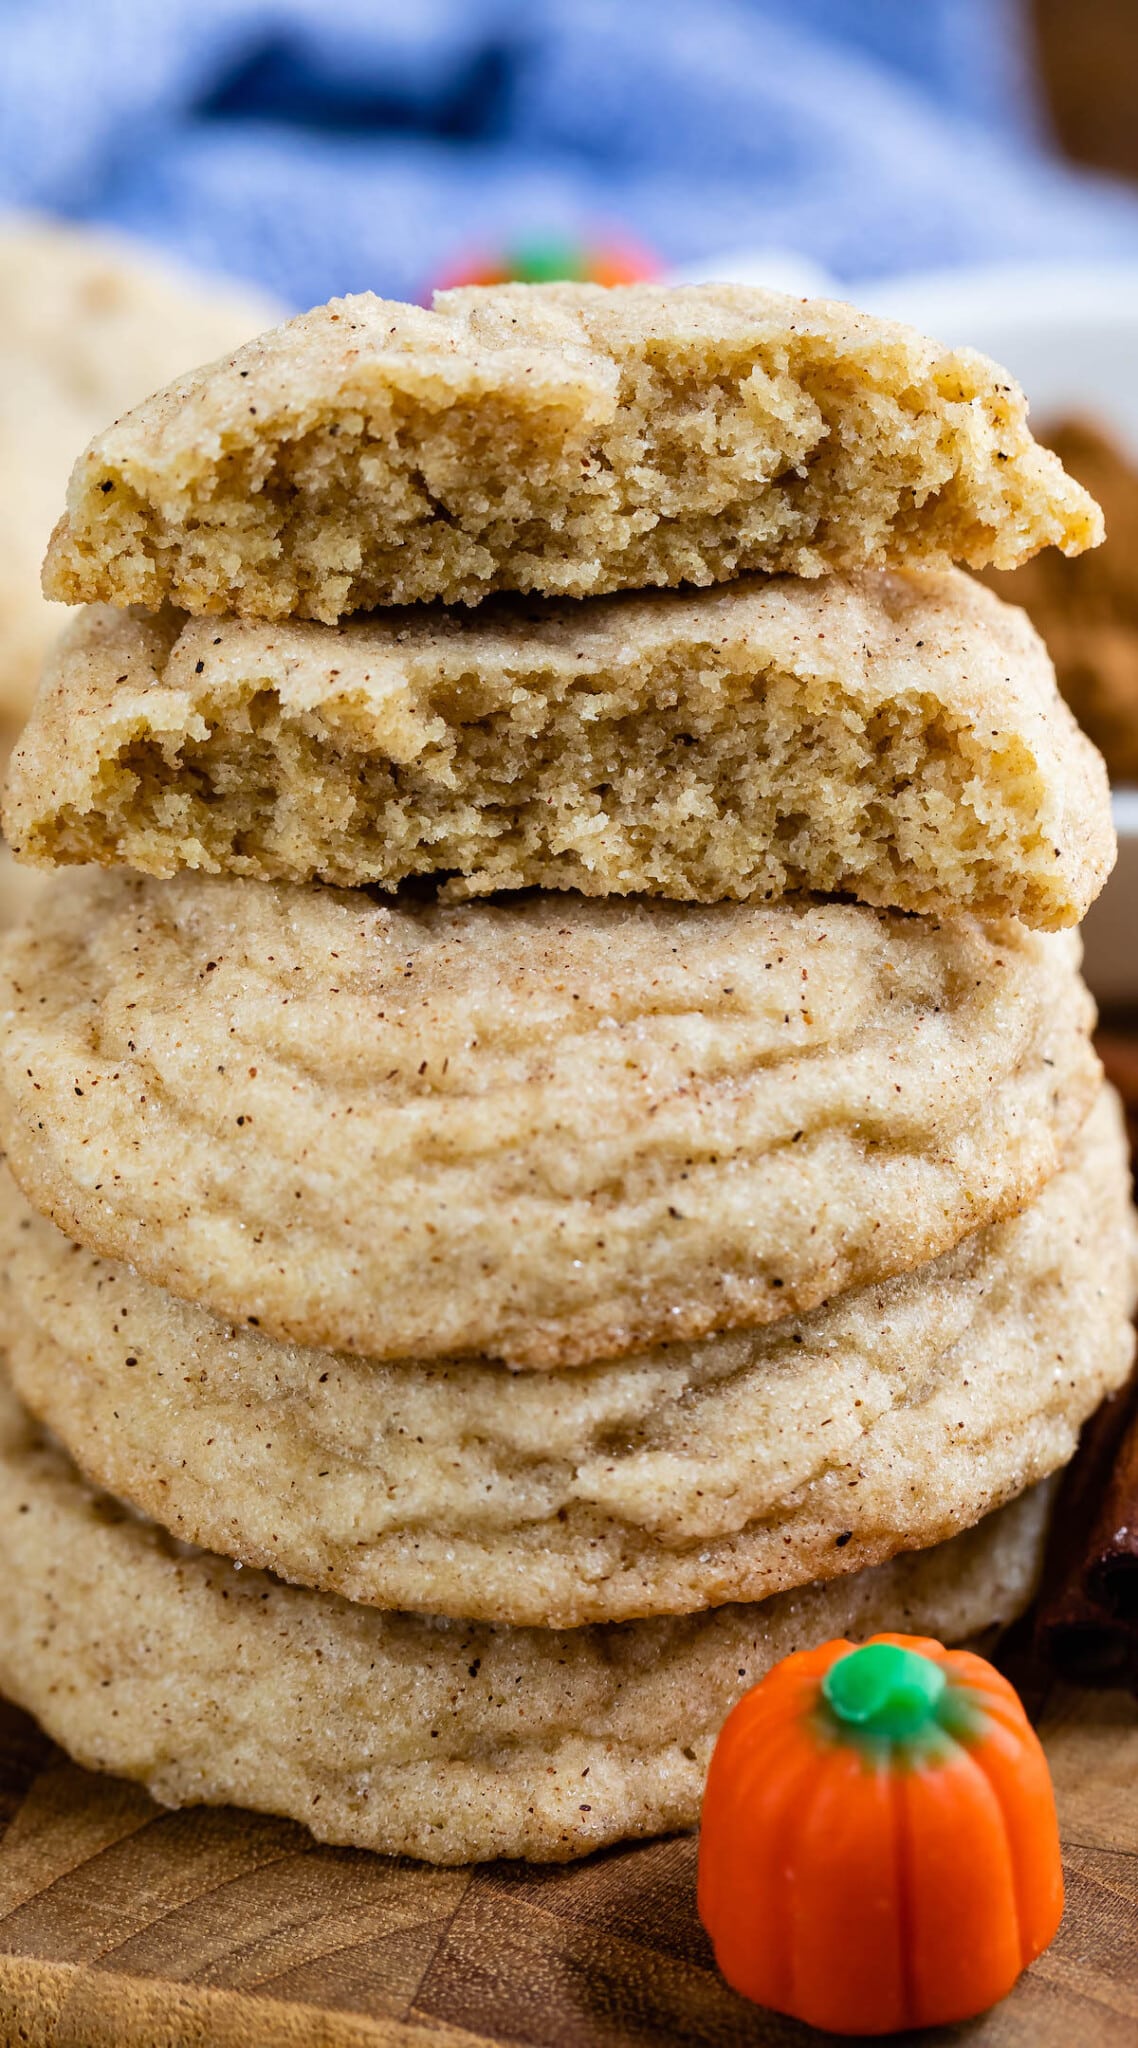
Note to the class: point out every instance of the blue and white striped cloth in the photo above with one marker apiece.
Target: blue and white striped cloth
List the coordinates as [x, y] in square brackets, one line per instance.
[319, 146]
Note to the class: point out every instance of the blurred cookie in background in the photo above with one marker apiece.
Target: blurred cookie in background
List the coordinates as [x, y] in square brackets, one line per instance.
[19, 887]
[1087, 610]
[89, 325]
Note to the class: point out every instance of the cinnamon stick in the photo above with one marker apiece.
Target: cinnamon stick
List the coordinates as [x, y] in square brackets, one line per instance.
[1117, 1046]
[1087, 1622]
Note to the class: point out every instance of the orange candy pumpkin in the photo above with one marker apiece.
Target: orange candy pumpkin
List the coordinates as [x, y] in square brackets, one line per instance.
[879, 1847]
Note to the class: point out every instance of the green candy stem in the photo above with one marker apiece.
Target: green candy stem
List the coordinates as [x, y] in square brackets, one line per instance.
[884, 1691]
[547, 262]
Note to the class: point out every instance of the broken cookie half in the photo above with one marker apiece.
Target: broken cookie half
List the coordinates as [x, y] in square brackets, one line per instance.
[897, 738]
[561, 439]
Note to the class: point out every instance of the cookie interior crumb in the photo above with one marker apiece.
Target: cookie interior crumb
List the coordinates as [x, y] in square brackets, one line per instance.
[898, 738]
[564, 439]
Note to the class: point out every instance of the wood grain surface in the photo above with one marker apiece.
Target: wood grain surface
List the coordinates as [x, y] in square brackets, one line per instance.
[124, 1926]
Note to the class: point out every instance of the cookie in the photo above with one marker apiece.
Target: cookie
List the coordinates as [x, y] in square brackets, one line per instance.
[898, 738]
[563, 439]
[550, 1129]
[88, 325]
[446, 1740]
[695, 1474]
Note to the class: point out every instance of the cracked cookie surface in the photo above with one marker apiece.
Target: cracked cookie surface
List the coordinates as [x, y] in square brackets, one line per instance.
[549, 1129]
[731, 1469]
[447, 1740]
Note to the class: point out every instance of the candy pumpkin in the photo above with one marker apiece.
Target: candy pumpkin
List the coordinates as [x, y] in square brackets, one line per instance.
[551, 259]
[879, 1846]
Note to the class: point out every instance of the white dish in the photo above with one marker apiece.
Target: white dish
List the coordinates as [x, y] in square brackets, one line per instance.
[1069, 334]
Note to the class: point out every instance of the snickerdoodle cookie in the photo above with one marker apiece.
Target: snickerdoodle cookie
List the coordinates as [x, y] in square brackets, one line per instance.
[552, 1129]
[694, 1474]
[898, 738]
[447, 1740]
[557, 438]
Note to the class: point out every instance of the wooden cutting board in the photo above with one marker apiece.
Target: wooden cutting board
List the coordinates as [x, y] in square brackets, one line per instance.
[123, 1926]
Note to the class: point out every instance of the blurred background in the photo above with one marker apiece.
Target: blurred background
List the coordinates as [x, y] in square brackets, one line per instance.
[176, 174]
[323, 146]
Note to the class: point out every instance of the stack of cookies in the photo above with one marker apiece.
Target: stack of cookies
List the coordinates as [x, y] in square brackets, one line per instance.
[555, 1149]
